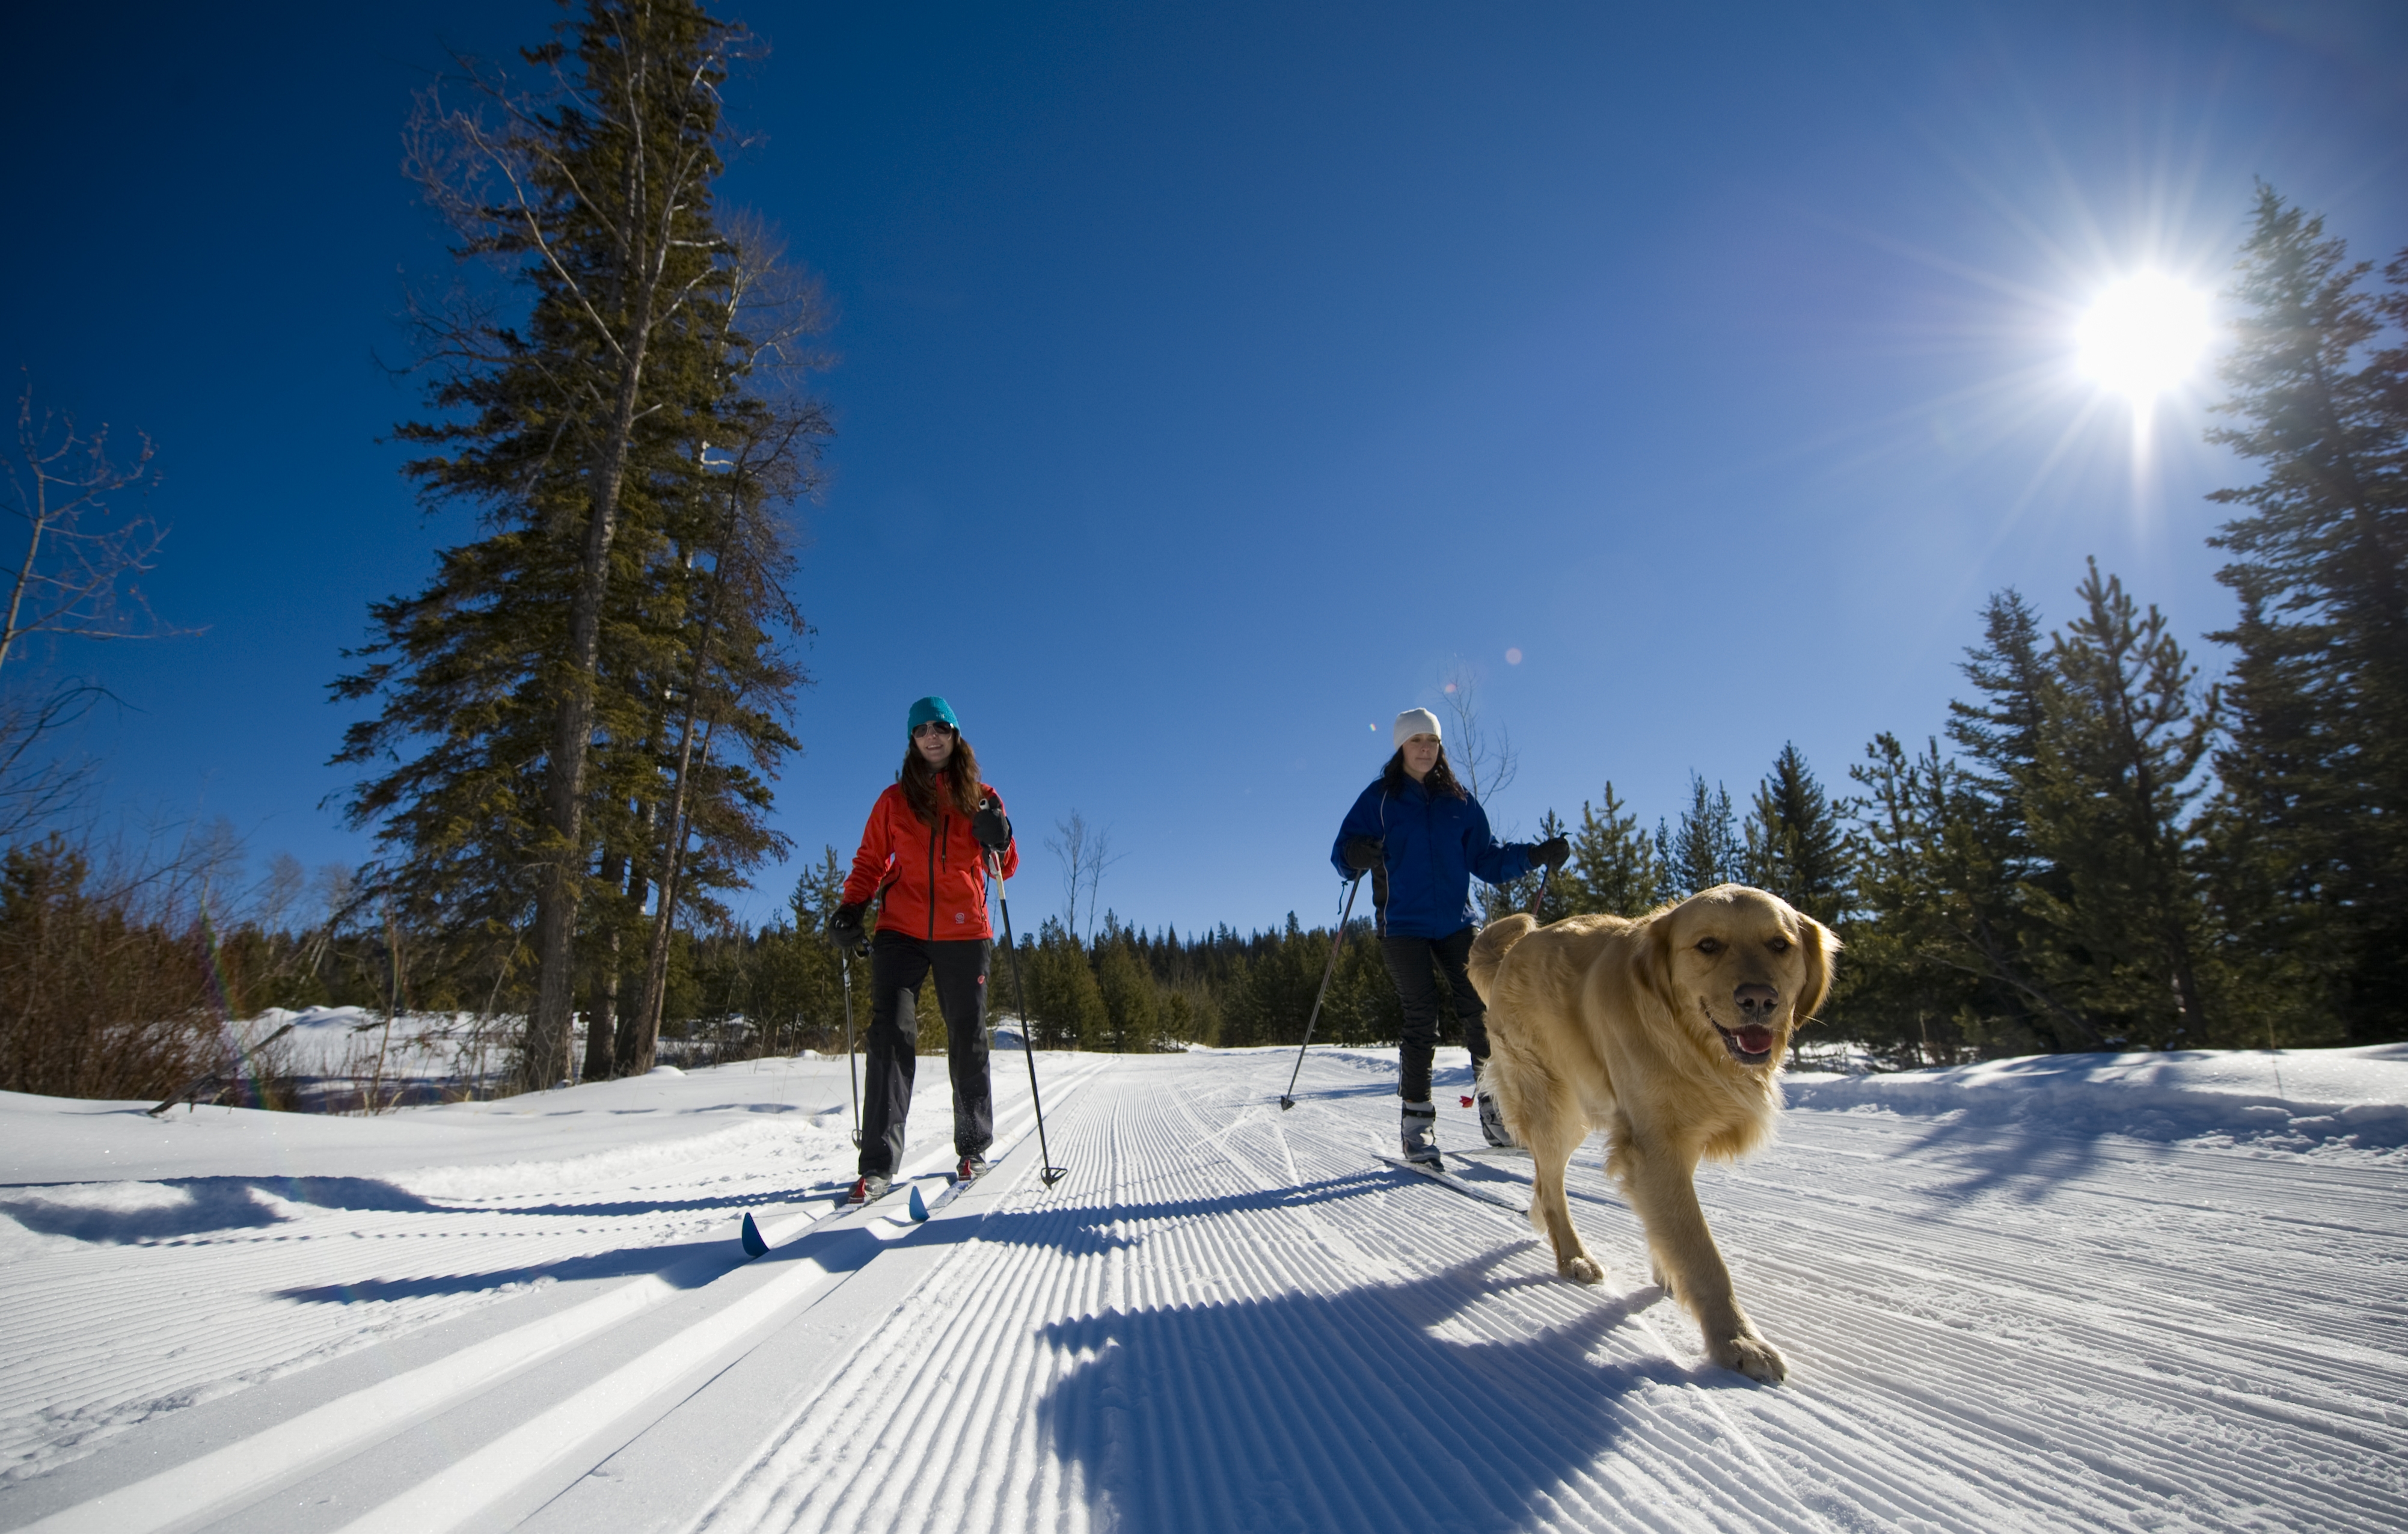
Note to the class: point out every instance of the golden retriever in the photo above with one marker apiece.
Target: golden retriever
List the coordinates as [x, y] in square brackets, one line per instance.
[1668, 1033]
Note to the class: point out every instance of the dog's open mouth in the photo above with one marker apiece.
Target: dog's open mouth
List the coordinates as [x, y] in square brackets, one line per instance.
[1750, 1045]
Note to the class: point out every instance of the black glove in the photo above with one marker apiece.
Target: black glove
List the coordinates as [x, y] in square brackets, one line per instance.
[1363, 854]
[844, 927]
[1555, 852]
[993, 831]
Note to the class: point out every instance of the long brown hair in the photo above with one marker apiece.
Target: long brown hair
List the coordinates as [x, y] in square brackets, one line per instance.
[919, 780]
[1439, 779]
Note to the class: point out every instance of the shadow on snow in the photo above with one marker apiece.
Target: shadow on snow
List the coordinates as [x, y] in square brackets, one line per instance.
[198, 1206]
[1381, 1405]
[1350, 1409]
[203, 1206]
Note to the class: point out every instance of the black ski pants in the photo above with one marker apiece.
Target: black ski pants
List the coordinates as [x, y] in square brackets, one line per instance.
[897, 965]
[1410, 961]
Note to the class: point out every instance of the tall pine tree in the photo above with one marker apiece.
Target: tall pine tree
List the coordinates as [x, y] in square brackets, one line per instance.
[1949, 950]
[1613, 868]
[558, 698]
[2123, 733]
[2319, 749]
[1795, 846]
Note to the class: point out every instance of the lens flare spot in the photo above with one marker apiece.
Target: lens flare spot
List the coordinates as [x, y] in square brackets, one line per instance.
[1513, 656]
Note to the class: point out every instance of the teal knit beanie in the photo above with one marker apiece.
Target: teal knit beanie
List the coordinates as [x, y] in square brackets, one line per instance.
[928, 708]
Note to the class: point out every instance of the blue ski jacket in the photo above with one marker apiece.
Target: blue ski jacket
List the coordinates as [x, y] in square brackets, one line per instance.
[1434, 847]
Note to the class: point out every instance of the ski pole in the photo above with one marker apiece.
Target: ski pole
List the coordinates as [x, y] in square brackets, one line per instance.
[1345, 909]
[852, 1066]
[1052, 1173]
[1541, 892]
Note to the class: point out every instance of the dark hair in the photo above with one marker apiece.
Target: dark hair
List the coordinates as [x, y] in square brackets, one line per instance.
[919, 780]
[1439, 779]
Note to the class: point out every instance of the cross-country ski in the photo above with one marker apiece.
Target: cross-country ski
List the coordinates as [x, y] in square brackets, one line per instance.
[1445, 1179]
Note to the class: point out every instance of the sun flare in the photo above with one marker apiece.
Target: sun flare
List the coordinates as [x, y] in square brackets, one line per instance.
[2143, 335]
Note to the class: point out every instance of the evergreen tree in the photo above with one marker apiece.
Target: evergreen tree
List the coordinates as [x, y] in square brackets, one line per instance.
[1795, 846]
[1363, 1006]
[2320, 562]
[578, 692]
[1267, 998]
[1941, 954]
[1270, 1000]
[730, 686]
[1556, 900]
[2121, 737]
[1132, 1008]
[1065, 1005]
[2285, 943]
[1985, 858]
[1908, 952]
[1999, 731]
[1706, 850]
[1613, 869]
[799, 987]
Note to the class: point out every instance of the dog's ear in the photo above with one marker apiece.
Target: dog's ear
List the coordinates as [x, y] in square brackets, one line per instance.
[1821, 947]
[1655, 960]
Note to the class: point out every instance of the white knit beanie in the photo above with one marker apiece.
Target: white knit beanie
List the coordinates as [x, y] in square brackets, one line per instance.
[1413, 722]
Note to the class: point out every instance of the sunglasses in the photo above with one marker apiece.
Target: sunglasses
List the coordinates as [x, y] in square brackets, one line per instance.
[931, 727]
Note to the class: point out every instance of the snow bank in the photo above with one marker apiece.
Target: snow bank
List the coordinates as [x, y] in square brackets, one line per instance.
[2327, 1100]
[347, 1041]
[609, 1130]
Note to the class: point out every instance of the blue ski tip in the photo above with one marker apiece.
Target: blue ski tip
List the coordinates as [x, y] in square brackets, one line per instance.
[754, 1245]
[919, 1205]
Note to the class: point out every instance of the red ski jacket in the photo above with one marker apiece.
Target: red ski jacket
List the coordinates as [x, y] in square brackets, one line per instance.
[935, 877]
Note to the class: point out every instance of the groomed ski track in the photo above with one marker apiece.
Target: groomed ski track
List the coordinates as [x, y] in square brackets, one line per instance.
[1228, 1317]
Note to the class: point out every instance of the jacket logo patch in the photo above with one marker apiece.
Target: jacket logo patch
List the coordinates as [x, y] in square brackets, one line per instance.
[961, 916]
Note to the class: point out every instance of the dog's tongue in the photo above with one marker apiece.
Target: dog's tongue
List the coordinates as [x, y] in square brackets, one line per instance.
[1755, 1040]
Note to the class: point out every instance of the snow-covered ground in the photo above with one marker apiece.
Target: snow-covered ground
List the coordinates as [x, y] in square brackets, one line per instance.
[2164, 1293]
[344, 1059]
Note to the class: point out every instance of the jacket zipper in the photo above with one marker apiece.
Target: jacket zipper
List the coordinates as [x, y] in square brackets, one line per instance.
[1429, 833]
[934, 832]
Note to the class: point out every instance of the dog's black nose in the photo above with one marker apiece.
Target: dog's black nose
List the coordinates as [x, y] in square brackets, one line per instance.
[1755, 1002]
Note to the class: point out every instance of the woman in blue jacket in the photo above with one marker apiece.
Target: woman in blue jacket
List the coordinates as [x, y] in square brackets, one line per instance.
[1422, 836]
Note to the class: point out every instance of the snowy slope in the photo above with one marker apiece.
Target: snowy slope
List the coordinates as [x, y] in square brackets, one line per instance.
[2163, 1293]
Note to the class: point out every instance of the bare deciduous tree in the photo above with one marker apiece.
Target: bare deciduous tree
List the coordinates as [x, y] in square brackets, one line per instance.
[1485, 764]
[72, 578]
[1085, 852]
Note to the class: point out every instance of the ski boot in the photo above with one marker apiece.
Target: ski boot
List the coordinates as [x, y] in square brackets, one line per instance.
[1419, 1127]
[1492, 1124]
[972, 1167]
[867, 1189]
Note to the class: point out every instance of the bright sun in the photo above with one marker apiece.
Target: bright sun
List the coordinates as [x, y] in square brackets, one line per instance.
[2143, 335]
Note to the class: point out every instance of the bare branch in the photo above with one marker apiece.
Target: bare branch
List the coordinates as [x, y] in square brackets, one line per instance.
[1485, 764]
[1085, 852]
[74, 575]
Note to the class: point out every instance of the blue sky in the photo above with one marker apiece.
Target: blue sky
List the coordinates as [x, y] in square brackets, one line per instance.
[1214, 381]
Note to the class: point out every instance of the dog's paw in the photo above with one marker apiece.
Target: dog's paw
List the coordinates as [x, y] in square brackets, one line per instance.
[1752, 1357]
[1581, 1270]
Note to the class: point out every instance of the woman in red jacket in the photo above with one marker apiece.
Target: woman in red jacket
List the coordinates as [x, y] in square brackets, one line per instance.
[926, 851]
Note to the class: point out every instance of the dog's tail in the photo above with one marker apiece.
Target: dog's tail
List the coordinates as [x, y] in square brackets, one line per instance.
[1490, 949]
